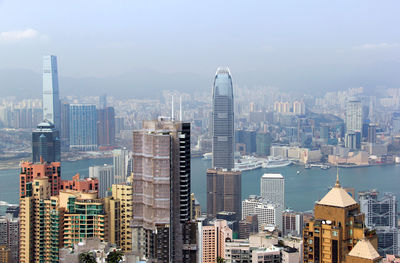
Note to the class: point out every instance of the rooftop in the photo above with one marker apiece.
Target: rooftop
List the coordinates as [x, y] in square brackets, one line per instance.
[279, 176]
[364, 249]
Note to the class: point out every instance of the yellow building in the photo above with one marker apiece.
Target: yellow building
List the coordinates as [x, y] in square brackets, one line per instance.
[41, 223]
[5, 254]
[120, 213]
[336, 228]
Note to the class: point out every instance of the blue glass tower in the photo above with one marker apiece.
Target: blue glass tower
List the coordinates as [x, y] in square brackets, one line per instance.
[51, 100]
[83, 127]
[223, 121]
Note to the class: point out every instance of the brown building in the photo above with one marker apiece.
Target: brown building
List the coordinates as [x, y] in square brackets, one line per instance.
[161, 191]
[336, 229]
[224, 192]
[248, 226]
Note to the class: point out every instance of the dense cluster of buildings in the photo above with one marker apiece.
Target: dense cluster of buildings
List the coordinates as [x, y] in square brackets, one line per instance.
[142, 207]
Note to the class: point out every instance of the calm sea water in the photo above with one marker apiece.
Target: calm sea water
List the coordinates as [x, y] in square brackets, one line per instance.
[301, 190]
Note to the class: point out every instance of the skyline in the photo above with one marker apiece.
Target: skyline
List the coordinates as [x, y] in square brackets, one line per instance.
[319, 46]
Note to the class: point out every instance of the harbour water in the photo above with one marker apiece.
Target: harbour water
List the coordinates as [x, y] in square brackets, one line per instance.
[301, 189]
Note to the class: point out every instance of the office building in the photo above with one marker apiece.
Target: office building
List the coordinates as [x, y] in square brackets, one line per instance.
[223, 121]
[245, 141]
[354, 115]
[263, 143]
[64, 132]
[336, 229]
[395, 123]
[106, 127]
[268, 214]
[214, 237]
[46, 143]
[248, 226]
[161, 197]
[292, 223]
[353, 140]
[381, 215]
[29, 171]
[224, 192]
[372, 133]
[122, 165]
[105, 177]
[9, 235]
[51, 100]
[120, 215]
[273, 188]
[83, 127]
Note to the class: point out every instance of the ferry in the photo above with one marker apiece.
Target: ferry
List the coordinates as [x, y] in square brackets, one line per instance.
[207, 156]
[247, 163]
[275, 162]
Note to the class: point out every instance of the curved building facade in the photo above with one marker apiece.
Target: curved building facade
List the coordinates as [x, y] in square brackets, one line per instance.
[223, 121]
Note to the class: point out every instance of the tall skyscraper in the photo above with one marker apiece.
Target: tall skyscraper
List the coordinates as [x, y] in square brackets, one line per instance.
[354, 115]
[381, 215]
[51, 100]
[335, 233]
[161, 196]
[83, 127]
[223, 121]
[9, 235]
[106, 127]
[224, 192]
[46, 143]
[64, 132]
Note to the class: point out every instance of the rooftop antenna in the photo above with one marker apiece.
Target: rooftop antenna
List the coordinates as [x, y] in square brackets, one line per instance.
[180, 108]
[172, 108]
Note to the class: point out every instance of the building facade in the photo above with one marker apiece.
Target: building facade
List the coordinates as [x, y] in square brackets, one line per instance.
[354, 115]
[213, 240]
[223, 121]
[9, 235]
[83, 127]
[46, 144]
[161, 195]
[224, 190]
[51, 100]
[105, 177]
[106, 127]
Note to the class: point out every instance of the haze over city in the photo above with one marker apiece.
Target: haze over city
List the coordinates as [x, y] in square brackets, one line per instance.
[139, 47]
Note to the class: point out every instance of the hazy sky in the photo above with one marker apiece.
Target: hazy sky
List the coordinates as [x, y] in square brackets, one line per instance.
[276, 39]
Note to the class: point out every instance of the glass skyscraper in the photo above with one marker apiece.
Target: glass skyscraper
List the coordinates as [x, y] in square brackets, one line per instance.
[46, 143]
[83, 127]
[51, 101]
[223, 121]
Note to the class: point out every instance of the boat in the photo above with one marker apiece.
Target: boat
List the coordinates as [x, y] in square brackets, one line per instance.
[207, 156]
[247, 163]
[307, 166]
[298, 172]
[275, 162]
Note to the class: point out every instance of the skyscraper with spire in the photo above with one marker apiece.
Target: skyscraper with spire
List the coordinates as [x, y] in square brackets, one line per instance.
[51, 100]
[223, 121]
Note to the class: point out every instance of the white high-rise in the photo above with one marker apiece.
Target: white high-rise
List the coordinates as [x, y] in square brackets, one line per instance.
[105, 175]
[267, 213]
[273, 188]
[122, 160]
[51, 100]
[354, 115]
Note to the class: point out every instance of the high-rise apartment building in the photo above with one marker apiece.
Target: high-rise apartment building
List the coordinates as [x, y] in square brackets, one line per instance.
[120, 215]
[105, 177]
[213, 240]
[224, 192]
[51, 100]
[30, 171]
[381, 215]
[223, 121]
[106, 127]
[336, 230]
[299, 108]
[83, 127]
[354, 115]
[9, 235]
[161, 191]
[122, 165]
[78, 184]
[46, 143]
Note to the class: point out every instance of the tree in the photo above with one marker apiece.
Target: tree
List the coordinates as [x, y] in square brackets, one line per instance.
[220, 260]
[114, 256]
[87, 257]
